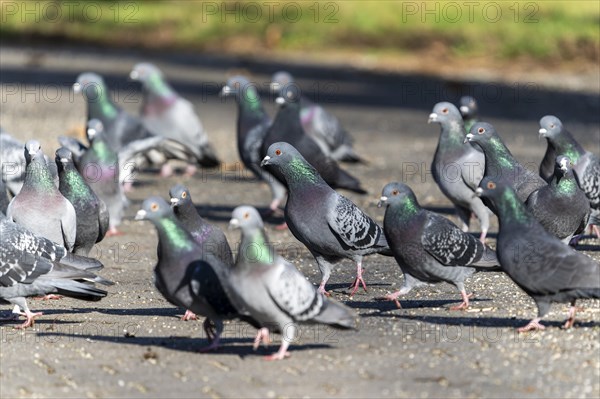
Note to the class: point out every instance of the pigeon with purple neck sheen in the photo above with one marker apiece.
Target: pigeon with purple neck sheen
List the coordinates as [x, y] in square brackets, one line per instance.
[287, 128]
[458, 167]
[586, 166]
[539, 263]
[31, 265]
[273, 291]
[39, 206]
[320, 125]
[166, 114]
[187, 275]
[92, 214]
[330, 225]
[428, 247]
[469, 110]
[252, 125]
[561, 207]
[500, 164]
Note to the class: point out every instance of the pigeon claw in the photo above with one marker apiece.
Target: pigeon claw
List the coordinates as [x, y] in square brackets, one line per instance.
[261, 336]
[189, 315]
[49, 297]
[356, 285]
[533, 325]
[30, 320]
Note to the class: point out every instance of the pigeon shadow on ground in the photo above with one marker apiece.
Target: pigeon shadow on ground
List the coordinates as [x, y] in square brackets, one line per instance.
[385, 305]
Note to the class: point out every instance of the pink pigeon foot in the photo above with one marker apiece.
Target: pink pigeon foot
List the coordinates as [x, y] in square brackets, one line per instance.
[322, 290]
[166, 170]
[532, 325]
[571, 320]
[261, 336]
[358, 281]
[30, 319]
[282, 353]
[190, 170]
[113, 232]
[482, 236]
[282, 226]
[596, 230]
[392, 297]
[48, 297]
[465, 303]
[189, 315]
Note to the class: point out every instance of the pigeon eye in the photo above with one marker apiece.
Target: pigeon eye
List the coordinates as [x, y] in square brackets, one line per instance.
[491, 185]
[290, 95]
[481, 130]
[247, 215]
[278, 152]
[154, 207]
[183, 194]
[395, 192]
[552, 126]
[445, 111]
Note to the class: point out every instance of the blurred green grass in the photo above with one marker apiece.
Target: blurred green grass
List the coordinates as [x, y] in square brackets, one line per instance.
[543, 31]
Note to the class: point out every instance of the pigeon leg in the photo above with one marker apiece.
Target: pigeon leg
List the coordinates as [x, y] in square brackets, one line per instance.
[483, 235]
[166, 170]
[359, 280]
[393, 297]
[261, 336]
[48, 297]
[282, 353]
[596, 230]
[325, 269]
[190, 170]
[112, 232]
[465, 303]
[213, 330]
[532, 325]
[189, 315]
[209, 329]
[569, 323]
[464, 214]
[30, 319]
[409, 283]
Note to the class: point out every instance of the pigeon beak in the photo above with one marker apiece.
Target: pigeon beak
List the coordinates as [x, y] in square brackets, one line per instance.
[468, 137]
[234, 224]
[265, 161]
[64, 160]
[91, 132]
[134, 75]
[140, 215]
[432, 117]
[174, 201]
[542, 132]
[279, 101]
[464, 109]
[382, 200]
[274, 86]
[76, 87]
[479, 192]
[225, 91]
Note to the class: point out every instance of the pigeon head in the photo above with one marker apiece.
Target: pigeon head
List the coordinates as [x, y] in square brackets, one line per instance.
[280, 154]
[235, 85]
[63, 157]
[94, 129]
[445, 113]
[550, 127]
[490, 188]
[468, 107]
[245, 217]
[144, 72]
[279, 80]
[180, 195]
[396, 193]
[289, 96]
[562, 165]
[153, 209]
[90, 84]
[480, 132]
[33, 151]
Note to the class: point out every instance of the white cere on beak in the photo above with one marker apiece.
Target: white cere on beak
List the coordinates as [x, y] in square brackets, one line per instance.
[280, 100]
[76, 87]
[383, 199]
[479, 191]
[225, 90]
[134, 74]
[233, 223]
[543, 131]
[464, 109]
[432, 117]
[141, 214]
[174, 201]
[64, 160]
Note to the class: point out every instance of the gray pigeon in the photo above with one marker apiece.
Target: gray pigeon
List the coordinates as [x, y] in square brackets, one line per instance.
[551, 125]
[273, 291]
[457, 167]
[329, 224]
[469, 111]
[39, 206]
[166, 114]
[4, 200]
[500, 164]
[561, 207]
[319, 124]
[208, 236]
[31, 265]
[287, 128]
[252, 125]
[586, 165]
[92, 214]
[428, 247]
[186, 275]
[99, 166]
[544, 267]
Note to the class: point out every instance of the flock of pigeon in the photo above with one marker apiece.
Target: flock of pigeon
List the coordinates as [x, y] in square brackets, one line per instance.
[60, 209]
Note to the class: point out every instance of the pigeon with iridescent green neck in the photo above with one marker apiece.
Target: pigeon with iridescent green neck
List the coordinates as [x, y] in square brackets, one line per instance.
[500, 164]
[469, 111]
[330, 225]
[586, 165]
[552, 126]
[428, 247]
[458, 167]
[165, 113]
[92, 214]
[188, 276]
[253, 122]
[323, 127]
[544, 267]
[561, 207]
[39, 206]
[273, 291]
[99, 166]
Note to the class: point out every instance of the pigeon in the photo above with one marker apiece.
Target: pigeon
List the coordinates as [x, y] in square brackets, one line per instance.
[14, 164]
[92, 214]
[330, 225]
[207, 235]
[31, 265]
[500, 163]
[274, 292]
[553, 124]
[469, 111]
[287, 128]
[186, 275]
[39, 206]
[99, 167]
[561, 207]
[320, 125]
[165, 113]
[4, 200]
[121, 127]
[252, 126]
[457, 167]
[539, 263]
[428, 247]
[586, 165]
